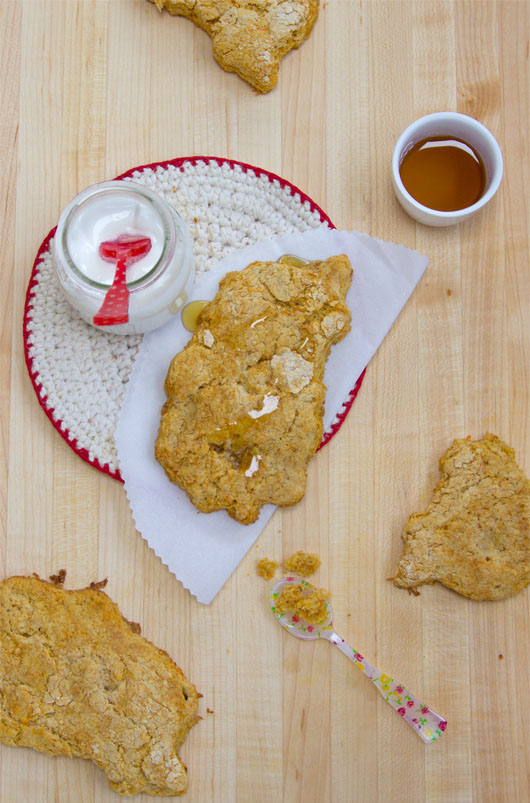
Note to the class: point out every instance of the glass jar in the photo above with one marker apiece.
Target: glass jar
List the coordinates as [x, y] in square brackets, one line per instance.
[158, 283]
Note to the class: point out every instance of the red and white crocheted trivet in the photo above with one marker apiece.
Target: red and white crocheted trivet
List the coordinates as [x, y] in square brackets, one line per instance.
[79, 373]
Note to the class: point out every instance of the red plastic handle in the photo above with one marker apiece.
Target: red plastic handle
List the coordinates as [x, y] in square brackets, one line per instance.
[123, 251]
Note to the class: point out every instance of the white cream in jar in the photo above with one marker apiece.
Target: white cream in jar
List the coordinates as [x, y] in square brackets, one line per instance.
[158, 283]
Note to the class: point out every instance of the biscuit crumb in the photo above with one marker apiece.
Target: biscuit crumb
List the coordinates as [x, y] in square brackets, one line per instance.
[302, 563]
[57, 579]
[501, 657]
[449, 292]
[209, 711]
[266, 568]
[99, 584]
[310, 605]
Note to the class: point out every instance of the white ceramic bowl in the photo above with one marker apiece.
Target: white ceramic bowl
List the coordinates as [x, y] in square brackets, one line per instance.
[454, 125]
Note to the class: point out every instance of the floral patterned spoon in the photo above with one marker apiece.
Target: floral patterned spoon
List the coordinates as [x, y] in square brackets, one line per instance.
[426, 722]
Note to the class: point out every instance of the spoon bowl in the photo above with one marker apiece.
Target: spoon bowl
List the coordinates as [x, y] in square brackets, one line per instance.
[294, 624]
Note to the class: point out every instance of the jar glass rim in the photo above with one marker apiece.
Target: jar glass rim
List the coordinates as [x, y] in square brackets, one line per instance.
[117, 187]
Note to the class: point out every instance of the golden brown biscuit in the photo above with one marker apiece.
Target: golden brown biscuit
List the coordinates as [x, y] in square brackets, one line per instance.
[250, 37]
[474, 536]
[77, 679]
[245, 396]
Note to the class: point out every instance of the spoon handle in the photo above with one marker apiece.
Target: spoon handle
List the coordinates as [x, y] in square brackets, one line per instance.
[427, 723]
[115, 307]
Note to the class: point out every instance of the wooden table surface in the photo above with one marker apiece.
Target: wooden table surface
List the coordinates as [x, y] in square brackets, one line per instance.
[90, 88]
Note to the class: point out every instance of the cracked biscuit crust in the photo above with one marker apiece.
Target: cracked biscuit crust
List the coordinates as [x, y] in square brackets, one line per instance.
[245, 404]
[474, 536]
[76, 679]
[250, 37]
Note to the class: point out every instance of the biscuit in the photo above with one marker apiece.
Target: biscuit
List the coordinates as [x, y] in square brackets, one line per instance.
[245, 397]
[77, 679]
[250, 37]
[474, 536]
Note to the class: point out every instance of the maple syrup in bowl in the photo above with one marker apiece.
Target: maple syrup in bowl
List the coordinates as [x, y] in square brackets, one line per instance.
[446, 166]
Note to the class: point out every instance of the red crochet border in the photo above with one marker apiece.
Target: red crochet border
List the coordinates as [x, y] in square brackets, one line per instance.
[28, 306]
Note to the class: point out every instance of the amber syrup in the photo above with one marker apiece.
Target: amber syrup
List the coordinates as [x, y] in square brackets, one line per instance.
[190, 313]
[443, 173]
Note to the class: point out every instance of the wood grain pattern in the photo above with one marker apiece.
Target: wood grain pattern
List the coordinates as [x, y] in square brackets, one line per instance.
[92, 87]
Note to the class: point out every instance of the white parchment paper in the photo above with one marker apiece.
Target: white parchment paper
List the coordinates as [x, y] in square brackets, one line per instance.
[202, 550]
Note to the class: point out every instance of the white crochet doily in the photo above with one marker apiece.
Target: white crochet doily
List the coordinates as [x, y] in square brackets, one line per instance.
[79, 373]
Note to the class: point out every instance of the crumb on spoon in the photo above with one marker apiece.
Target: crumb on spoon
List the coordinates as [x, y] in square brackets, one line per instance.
[308, 604]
